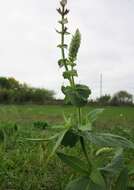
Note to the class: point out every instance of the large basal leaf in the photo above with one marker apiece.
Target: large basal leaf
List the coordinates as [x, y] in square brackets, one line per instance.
[131, 176]
[97, 177]
[116, 164]
[74, 162]
[107, 140]
[122, 181]
[70, 139]
[86, 127]
[83, 183]
[57, 143]
[40, 139]
[93, 115]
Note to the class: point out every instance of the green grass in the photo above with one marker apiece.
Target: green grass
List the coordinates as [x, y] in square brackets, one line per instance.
[22, 163]
[26, 114]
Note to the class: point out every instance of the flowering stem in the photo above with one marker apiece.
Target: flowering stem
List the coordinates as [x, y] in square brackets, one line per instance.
[62, 39]
[62, 43]
[72, 54]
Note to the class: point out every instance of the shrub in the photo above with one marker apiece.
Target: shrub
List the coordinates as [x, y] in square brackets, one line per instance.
[12, 92]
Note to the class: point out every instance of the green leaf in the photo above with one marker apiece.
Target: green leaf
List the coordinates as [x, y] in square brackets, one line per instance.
[75, 163]
[82, 183]
[97, 177]
[39, 140]
[56, 127]
[66, 12]
[67, 33]
[2, 136]
[59, 32]
[103, 151]
[78, 95]
[87, 127]
[62, 62]
[107, 139]
[70, 139]
[131, 171]
[59, 11]
[64, 32]
[83, 91]
[116, 164]
[122, 181]
[62, 46]
[63, 21]
[57, 144]
[68, 74]
[93, 115]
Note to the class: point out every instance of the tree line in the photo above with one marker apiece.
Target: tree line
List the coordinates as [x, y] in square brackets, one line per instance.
[118, 99]
[14, 92]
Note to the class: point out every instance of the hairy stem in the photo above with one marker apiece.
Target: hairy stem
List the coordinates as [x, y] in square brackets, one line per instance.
[85, 152]
[82, 141]
[73, 77]
[79, 116]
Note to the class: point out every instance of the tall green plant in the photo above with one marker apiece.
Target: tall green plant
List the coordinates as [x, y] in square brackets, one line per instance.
[99, 171]
[92, 177]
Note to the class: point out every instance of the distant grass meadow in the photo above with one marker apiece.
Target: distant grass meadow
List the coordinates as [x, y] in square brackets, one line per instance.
[22, 163]
[27, 114]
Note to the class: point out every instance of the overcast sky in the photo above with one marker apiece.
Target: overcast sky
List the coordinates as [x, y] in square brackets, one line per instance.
[28, 43]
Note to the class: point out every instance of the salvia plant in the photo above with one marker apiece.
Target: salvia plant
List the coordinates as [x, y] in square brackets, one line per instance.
[103, 166]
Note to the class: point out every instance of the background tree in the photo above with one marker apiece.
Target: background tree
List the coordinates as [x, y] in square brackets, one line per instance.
[4, 83]
[14, 92]
[122, 98]
[104, 100]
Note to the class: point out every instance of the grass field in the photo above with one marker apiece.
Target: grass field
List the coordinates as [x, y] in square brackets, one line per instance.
[22, 163]
[26, 115]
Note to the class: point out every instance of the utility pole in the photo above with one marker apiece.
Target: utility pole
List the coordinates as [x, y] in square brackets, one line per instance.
[100, 85]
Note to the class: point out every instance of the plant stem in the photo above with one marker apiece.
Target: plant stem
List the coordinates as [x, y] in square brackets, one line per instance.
[82, 141]
[85, 152]
[72, 77]
[109, 185]
[62, 39]
[72, 83]
[79, 116]
[62, 43]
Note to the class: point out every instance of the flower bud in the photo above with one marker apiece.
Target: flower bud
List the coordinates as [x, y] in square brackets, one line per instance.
[63, 2]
